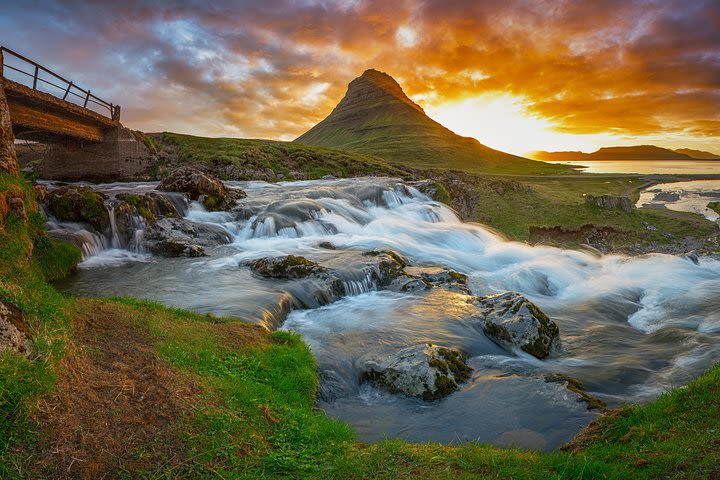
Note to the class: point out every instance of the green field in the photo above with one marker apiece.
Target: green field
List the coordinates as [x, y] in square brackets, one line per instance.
[524, 202]
[247, 159]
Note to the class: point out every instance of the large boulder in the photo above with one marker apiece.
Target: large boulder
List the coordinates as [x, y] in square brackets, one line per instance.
[426, 371]
[513, 321]
[203, 187]
[288, 267]
[75, 203]
[177, 237]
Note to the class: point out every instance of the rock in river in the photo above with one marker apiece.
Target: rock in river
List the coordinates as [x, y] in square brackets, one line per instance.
[75, 203]
[511, 320]
[426, 371]
[203, 187]
[176, 237]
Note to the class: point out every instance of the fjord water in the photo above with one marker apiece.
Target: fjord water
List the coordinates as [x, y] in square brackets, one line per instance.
[631, 328]
[684, 167]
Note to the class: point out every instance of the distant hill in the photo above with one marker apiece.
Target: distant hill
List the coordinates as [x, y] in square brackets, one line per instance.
[699, 154]
[636, 152]
[376, 118]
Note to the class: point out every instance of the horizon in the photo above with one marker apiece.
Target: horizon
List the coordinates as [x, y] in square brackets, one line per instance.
[550, 77]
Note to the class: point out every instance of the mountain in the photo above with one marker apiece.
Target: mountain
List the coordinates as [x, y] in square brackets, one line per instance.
[376, 117]
[699, 154]
[635, 152]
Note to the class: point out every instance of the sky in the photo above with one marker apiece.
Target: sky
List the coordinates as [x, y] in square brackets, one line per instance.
[518, 75]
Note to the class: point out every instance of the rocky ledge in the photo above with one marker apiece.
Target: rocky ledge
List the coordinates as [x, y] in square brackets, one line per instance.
[430, 372]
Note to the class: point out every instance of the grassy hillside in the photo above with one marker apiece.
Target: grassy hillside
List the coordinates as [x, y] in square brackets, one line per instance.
[552, 210]
[245, 159]
[376, 118]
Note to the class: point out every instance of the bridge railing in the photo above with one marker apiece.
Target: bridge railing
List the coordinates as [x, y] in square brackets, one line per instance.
[43, 79]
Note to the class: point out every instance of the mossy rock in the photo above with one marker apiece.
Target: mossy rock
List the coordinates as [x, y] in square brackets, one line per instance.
[577, 387]
[287, 267]
[79, 204]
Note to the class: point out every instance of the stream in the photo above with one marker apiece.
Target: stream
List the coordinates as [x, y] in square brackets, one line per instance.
[631, 328]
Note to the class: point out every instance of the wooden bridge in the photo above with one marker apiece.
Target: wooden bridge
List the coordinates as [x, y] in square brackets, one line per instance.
[83, 131]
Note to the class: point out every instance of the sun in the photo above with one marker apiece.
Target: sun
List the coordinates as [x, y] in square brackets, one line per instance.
[503, 122]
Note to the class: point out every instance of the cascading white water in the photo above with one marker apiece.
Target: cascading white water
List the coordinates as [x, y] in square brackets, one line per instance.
[631, 327]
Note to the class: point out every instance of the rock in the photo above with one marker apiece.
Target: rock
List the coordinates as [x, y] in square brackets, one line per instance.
[329, 177]
[427, 371]
[176, 237]
[693, 257]
[17, 205]
[511, 320]
[203, 187]
[40, 191]
[433, 189]
[327, 245]
[406, 283]
[287, 267]
[316, 285]
[576, 386]
[610, 201]
[390, 267]
[150, 206]
[74, 203]
[11, 338]
[449, 279]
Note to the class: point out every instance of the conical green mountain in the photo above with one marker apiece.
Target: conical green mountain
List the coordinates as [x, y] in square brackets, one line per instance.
[376, 118]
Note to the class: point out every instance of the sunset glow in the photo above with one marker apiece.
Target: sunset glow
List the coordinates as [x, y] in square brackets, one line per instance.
[517, 76]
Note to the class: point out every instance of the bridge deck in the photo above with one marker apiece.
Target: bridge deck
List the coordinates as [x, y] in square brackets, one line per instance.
[40, 116]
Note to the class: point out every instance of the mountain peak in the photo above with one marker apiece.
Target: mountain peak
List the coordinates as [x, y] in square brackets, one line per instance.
[375, 117]
[374, 85]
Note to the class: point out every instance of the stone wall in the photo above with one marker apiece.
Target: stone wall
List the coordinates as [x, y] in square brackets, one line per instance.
[8, 159]
[120, 157]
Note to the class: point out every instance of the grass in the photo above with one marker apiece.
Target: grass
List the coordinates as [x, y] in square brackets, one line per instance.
[559, 201]
[251, 411]
[244, 158]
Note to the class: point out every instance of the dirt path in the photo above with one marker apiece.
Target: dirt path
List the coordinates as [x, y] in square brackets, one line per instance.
[116, 407]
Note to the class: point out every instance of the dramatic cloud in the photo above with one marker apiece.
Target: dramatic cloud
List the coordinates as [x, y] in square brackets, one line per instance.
[273, 68]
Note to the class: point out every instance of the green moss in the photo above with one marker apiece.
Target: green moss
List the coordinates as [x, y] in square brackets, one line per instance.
[715, 206]
[444, 386]
[455, 362]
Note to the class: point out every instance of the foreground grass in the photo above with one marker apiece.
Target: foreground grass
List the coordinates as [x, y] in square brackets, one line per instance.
[253, 417]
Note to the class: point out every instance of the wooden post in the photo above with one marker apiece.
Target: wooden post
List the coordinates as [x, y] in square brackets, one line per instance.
[37, 70]
[67, 91]
[116, 113]
[87, 97]
[2, 62]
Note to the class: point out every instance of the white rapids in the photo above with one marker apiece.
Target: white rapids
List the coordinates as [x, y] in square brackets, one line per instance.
[631, 327]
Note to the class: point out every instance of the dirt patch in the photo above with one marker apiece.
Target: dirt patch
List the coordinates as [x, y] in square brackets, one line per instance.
[595, 236]
[117, 408]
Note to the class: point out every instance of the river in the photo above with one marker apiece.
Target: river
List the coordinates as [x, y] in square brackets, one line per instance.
[631, 328]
